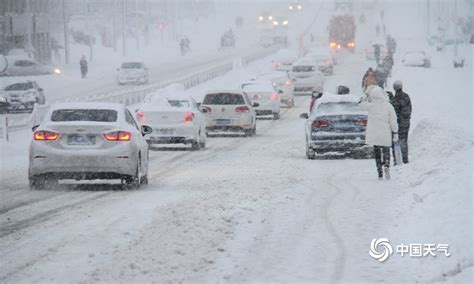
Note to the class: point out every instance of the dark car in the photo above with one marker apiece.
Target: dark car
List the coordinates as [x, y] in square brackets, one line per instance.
[336, 126]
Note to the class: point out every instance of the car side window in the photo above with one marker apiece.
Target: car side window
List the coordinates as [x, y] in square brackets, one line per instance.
[130, 120]
[24, 63]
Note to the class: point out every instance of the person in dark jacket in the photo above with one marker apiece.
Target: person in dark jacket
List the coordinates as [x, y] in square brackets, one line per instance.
[381, 74]
[377, 53]
[402, 104]
[83, 64]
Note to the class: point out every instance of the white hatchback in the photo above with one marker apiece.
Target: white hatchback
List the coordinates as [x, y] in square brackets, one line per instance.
[88, 141]
[175, 119]
[229, 110]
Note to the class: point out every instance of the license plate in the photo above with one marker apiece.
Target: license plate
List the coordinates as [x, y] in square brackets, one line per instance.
[344, 124]
[222, 121]
[166, 132]
[81, 139]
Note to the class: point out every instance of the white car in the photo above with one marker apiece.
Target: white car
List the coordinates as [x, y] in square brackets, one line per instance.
[25, 66]
[416, 58]
[132, 72]
[336, 125]
[283, 59]
[324, 62]
[175, 120]
[282, 82]
[306, 76]
[229, 110]
[88, 141]
[23, 95]
[265, 95]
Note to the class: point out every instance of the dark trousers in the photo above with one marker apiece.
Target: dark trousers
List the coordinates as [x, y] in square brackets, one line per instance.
[403, 140]
[382, 157]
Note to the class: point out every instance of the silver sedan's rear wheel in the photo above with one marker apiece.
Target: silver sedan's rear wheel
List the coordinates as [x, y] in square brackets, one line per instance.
[37, 182]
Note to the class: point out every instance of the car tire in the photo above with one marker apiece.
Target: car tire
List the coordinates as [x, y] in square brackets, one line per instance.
[309, 155]
[37, 183]
[133, 182]
[276, 116]
[195, 145]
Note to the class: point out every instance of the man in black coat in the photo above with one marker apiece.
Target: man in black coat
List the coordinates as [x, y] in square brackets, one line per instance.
[402, 104]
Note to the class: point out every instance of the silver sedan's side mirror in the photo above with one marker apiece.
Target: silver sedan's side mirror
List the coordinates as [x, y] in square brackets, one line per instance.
[304, 115]
[145, 129]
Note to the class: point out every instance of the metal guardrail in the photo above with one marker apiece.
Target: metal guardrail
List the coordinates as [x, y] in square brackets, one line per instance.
[136, 95]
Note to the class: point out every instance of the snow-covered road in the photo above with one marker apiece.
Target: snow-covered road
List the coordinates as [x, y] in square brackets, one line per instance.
[254, 209]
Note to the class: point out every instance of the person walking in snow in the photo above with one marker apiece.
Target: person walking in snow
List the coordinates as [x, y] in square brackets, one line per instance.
[382, 127]
[368, 79]
[402, 104]
[377, 53]
[317, 93]
[84, 67]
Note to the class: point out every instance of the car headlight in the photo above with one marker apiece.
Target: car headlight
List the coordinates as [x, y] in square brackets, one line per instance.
[285, 23]
[290, 7]
[270, 18]
[260, 18]
[57, 71]
[275, 23]
[3, 100]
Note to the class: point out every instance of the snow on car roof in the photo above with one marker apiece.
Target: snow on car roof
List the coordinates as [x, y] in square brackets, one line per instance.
[229, 91]
[88, 105]
[333, 98]
[304, 61]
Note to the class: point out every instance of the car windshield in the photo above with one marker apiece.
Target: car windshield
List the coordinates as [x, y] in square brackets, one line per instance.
[24, 63]
[96, 115]
[131, 65]
[303, 68]
[338, 108]
[223, 99]
[19, 87]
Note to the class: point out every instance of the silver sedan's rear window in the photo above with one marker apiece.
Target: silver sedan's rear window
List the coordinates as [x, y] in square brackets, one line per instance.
[97, 115]
[223, 99]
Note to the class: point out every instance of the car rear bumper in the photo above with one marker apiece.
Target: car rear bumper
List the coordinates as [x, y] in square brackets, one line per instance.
[236, 124]
[121, 161]
[338, 142]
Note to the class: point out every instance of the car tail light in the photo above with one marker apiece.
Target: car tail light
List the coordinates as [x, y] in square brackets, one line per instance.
[327, 62]
[363, 122]
[242, 109]
[46, 135]
[333, 44]
[141, 117]
[319, 123]
[188, 117]
[351, 44]
[274, 96]
[118, 136]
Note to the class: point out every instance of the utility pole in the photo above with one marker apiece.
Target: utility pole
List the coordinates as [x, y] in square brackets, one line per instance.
[136, 25]
[115, 25]
[66, 34]
[89, 28]
[124, 39]
[456, 28]
[28, 28]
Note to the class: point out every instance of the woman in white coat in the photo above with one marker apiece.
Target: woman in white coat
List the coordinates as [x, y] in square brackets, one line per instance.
[382, 127]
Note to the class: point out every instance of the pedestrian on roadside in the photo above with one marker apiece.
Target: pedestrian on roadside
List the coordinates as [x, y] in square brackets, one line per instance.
[368, 79]
[84, 67]
[382, 127]
[377, 53]
[402, 104]
[317, 93]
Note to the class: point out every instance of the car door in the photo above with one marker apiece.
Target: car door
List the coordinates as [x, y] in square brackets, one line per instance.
[141, 143]
[248, 102]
